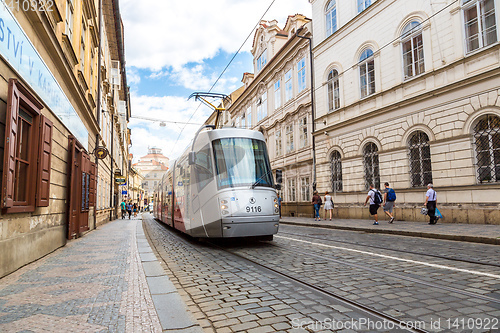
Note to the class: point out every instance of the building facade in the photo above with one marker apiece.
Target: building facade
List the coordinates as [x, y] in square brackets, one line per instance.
[277, 101]
[115, 113]
[135, 192]
[152, 166]
[409, 93]
[50, 124]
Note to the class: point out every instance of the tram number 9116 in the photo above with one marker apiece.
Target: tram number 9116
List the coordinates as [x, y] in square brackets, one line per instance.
[254, 209]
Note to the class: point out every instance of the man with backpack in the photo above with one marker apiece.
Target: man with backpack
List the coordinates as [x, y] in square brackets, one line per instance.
[389, 199]
[375, 198]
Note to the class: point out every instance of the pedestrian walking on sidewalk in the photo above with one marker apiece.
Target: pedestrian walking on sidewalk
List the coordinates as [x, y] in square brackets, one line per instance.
[328, 204]
[123, 207]
[134, 209]
[430, 203]
[316, 201]
[129, 209]
[375, 198]
[389, 202]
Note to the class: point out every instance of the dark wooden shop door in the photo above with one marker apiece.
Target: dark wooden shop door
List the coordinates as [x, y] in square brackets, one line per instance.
[81, 187]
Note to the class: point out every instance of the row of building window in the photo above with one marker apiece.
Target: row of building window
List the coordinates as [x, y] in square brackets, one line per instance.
[480, 27]
[305, 189]
[289, 137]
[246, 120]
[486, 135]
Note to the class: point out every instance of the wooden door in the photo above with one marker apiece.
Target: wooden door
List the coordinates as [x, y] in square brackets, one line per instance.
[81, 188]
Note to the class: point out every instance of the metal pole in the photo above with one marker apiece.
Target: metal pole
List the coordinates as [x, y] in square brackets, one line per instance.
[98, 111]
[313, 112]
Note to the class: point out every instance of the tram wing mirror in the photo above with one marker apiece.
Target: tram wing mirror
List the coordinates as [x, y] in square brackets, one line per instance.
[279, 176]
[192, 158]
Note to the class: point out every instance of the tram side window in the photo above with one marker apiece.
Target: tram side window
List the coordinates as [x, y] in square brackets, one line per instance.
[203, 167]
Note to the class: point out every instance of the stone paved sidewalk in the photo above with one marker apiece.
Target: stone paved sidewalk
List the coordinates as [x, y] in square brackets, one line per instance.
[94, 284]
[478, 233]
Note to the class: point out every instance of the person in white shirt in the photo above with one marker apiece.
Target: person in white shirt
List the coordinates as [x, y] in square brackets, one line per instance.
[430, 203]
[375, 198]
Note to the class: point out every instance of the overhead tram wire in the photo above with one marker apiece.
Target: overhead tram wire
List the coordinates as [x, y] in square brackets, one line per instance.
[222, 73]
[165, 121]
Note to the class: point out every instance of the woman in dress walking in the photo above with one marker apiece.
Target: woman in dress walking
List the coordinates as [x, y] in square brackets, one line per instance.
[328, 205]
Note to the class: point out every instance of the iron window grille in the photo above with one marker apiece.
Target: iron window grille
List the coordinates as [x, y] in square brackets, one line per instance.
[336, 172]
[371, 165]
[419, 154]
[487, 144]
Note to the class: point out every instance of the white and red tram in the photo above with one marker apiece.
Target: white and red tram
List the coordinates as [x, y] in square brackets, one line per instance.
[220, 187]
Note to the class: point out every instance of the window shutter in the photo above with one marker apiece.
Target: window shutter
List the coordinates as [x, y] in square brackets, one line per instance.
[10, 145]
[44, 165]
[93, 187]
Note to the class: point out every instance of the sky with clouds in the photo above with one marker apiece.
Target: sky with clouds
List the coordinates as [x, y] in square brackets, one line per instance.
[174, 48]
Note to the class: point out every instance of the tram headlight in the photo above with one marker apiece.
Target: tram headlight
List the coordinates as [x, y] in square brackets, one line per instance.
[224, 207]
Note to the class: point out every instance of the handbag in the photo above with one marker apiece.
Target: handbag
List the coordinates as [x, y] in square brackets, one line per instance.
[438, 214]
[424, 211]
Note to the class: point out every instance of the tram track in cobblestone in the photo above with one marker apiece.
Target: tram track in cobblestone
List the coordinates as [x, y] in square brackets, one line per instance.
[360, 308]
[395, 250]
[321, 258]
[395, 275]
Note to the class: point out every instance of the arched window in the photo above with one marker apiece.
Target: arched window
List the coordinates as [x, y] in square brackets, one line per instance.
[371, 165]
[331, 18]
[367, 73]
[480, 23]
[333, 90]
[487, 145]
[336, 171]
[419, 154]
[413, 50]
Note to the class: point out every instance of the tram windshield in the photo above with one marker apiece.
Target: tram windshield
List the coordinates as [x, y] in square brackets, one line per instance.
[242, 162]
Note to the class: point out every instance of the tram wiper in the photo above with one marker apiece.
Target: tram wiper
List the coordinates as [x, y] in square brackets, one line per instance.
[258, 180]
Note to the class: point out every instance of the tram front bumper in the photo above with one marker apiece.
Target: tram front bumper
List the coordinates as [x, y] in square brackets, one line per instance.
[250, 226]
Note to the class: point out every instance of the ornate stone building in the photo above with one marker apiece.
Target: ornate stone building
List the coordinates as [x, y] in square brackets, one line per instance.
[50, 123]
[408, 92]
[152, 166]
[277, 102]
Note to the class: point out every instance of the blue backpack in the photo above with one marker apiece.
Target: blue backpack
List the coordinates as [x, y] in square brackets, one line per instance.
[391, 195]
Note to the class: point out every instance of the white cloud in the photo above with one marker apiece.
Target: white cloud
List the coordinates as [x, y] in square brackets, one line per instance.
[164, 37]
[166, 33]
[133, 77]
[174, 111]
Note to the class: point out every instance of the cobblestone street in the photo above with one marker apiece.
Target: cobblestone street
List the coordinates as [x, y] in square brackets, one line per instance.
[307, 279]
[229, 294]
[94, 284]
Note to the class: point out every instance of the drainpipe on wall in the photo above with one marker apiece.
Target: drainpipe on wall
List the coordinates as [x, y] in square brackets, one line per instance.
[98, 113]
[313, 112]
[111, 169]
